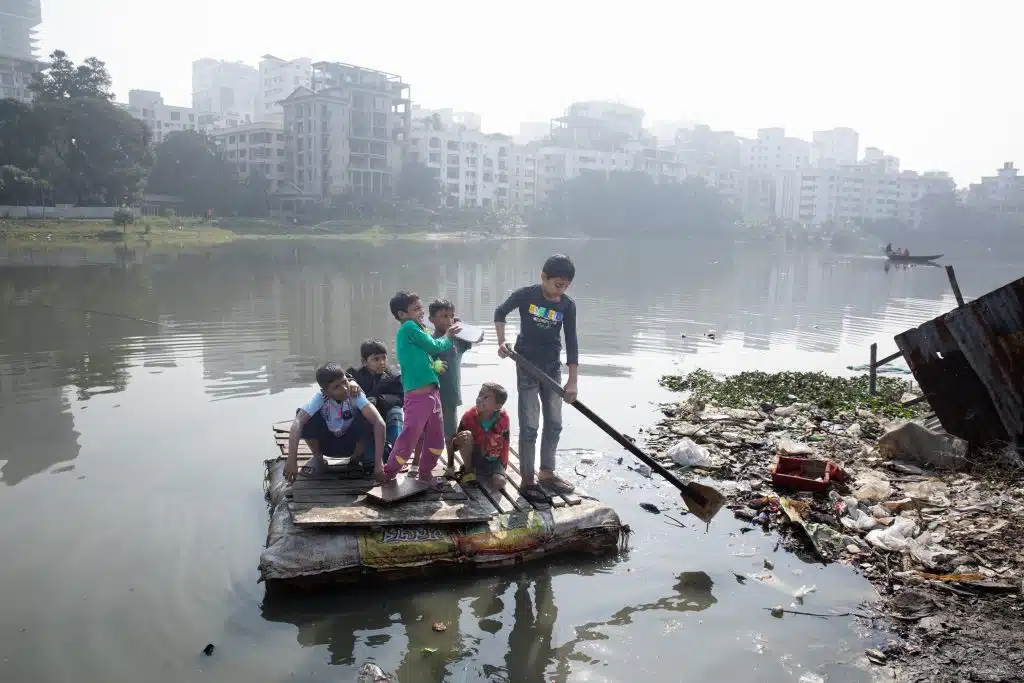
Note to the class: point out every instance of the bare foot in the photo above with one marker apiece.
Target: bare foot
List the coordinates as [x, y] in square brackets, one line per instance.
[553, 482]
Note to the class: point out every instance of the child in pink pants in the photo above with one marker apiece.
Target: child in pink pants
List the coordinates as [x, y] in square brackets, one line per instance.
[422, 404]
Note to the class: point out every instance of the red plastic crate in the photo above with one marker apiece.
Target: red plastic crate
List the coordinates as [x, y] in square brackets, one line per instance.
[805, 474]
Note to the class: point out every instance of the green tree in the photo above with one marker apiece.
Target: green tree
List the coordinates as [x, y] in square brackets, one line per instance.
[22, 134]
[189, 165]
[254, 195]
[418, 182]
[64, 80]
[631, 202]
[96, 154]
[123, 218]
[20, 188]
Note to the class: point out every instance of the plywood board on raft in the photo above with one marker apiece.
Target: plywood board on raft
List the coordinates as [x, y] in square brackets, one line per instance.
[411, 512]
[397, 490]
[338, 497]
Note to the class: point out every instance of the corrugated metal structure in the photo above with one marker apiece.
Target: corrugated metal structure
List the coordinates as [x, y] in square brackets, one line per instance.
[970, 364]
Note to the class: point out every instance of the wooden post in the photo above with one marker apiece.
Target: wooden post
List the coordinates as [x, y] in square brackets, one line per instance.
[872, 374]
[956, 287]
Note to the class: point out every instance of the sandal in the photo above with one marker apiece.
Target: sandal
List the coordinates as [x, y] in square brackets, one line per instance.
[557, 484]
[434, 483]
[534, 494]
[314, 467]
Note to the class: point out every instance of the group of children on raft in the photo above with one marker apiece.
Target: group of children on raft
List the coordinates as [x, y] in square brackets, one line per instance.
[394, 422]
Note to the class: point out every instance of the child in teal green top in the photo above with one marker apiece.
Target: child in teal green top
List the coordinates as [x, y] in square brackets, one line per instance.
[422, 405]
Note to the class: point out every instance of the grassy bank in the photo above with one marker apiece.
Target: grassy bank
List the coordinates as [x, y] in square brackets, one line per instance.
[193, 233]
[143, 232]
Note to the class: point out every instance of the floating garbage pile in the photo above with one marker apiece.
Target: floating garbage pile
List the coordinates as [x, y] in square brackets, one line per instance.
[844, 475]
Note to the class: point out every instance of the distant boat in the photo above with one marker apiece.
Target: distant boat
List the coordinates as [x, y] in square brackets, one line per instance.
[898, 258]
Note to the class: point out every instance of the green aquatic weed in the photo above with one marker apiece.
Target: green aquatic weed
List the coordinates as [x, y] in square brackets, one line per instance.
[829, 393]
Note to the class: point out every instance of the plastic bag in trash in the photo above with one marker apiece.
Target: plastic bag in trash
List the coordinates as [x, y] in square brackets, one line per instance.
[896, 538]
[856, 518]
[688, 453]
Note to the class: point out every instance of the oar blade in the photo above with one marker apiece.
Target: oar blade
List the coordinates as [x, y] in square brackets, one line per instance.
[705, 511]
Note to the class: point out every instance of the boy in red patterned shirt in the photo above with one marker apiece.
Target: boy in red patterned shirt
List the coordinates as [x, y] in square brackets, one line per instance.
[482, 437]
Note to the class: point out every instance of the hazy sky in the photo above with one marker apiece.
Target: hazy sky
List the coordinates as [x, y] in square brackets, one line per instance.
[935, 82]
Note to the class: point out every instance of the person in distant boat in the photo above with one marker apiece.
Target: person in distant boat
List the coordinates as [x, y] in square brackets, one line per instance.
[383, 388]
[483, 436]
[545, 312]
[422, 403]
[888, 248]
[441, 314]
[906, 252]
[334, 423]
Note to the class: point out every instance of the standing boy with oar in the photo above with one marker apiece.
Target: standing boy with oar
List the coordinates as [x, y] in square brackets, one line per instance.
[545, 310]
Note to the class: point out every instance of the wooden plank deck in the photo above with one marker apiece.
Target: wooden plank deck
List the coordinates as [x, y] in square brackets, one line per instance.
[339, 497]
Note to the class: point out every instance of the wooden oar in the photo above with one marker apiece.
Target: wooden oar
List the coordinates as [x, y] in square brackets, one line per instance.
[703, 501]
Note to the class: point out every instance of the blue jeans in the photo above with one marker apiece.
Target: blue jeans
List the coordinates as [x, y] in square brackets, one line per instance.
[393, 422]
[533, 401]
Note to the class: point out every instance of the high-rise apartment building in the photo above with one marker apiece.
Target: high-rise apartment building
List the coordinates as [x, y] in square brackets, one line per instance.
[473, 168]
[347, 133]
[15, 77]
[18, 22]
[255, 148]
[278, 78]
[834, 148]
[226, 91]
[161, 119]
[772, 151]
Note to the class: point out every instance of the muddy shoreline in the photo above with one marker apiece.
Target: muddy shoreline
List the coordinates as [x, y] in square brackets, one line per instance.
[934, 530]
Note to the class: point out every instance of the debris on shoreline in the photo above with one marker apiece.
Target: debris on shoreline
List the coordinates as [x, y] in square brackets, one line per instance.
[937, 532]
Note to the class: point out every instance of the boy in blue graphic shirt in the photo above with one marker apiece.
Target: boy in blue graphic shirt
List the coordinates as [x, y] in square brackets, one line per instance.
[441, 314]
[545, 311]
[335, 423]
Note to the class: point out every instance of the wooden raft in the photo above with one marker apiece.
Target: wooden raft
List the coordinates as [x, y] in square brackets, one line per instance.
[338, 498]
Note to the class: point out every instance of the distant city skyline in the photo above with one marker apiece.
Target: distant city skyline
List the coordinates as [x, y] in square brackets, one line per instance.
[921, 80]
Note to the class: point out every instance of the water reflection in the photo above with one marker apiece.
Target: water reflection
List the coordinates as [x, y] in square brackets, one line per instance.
[498, 629]
[261, 314]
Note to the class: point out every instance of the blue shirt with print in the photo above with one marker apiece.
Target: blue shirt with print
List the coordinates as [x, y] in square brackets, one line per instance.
[338, 415]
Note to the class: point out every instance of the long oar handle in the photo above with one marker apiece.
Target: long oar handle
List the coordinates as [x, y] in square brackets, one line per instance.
[551, 384]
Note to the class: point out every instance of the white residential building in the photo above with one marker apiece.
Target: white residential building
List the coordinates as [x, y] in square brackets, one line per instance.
[18, 22]
[858, 192]
[834, 148]
[162, 119]
[702, 150]
[473, 168]
[225, 89]
[210, 122]
[256, 148]
[556, 165]
[15, 77]
[1002, 193]
[606, 126]
[446, 118]
[772, 151]
[523, 178]
[879, 159]
[663, 164]
[278, 78]
[348, 133]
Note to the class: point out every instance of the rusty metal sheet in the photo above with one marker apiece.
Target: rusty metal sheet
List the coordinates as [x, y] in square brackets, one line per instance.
[970, 364]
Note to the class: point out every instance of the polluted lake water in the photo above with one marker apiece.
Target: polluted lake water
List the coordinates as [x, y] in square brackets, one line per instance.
[134, 443]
